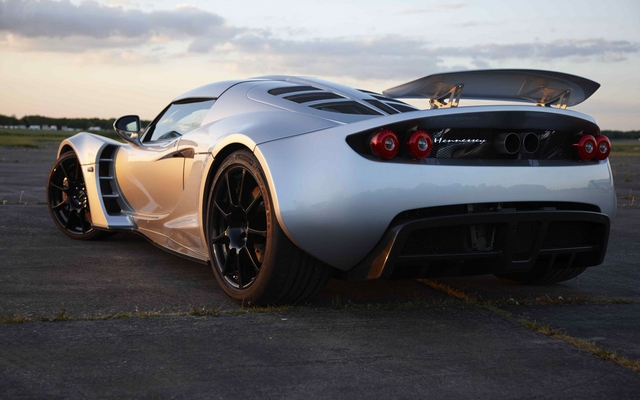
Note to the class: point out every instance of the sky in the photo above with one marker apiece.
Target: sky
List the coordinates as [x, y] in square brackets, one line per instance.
[109, 58]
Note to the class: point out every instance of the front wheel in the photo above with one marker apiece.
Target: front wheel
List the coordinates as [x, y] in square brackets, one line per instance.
[67, 199]
[252, 259]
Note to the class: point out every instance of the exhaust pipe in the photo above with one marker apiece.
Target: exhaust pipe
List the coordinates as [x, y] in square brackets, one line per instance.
[507, 143]
[530, 141]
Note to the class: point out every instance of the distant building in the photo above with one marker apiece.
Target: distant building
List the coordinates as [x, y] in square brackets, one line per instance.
[34, 127]
[67, 129]
[94, 128]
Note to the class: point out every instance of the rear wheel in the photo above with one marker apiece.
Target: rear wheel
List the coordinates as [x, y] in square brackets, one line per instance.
[67, 199]
[543, 277]
[252, 258]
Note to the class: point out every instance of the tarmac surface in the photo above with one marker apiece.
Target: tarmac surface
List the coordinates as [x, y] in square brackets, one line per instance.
[139, 322]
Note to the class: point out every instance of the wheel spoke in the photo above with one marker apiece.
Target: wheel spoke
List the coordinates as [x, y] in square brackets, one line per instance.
[64, 172]
[255, 265]
[257, 232]
[225, 268]
[77, 171]
[59, 205]
[57, 187]
[68, 221]
[241, 187]
[253, 203]
[226, 177]
[224, 214]
[218, 238]
[239, 270]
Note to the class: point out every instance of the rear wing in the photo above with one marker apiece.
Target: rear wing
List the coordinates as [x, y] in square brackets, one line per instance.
[545, 88]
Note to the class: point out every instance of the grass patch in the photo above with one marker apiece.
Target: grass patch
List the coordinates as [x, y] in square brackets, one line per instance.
[32, 139]
[339, 304]
[203, 312]
[147, 314]
[14, 319]
[61, 316]
[193, 312]
[547, 300]
[269, 309]
[591, 347]
[625, 150]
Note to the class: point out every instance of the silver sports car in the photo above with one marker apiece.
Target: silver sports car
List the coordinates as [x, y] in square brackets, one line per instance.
[280, 182]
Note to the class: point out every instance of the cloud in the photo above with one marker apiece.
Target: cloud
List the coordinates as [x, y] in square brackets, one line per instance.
[187, 31]
[450, 5]
[544, 51]
[47, 19]
[53, 19]
[432, 9]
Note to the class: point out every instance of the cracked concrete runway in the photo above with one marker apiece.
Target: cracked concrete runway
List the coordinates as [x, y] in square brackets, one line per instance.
[373, 340]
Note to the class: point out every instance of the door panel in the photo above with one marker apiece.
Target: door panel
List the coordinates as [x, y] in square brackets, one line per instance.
[151, 177]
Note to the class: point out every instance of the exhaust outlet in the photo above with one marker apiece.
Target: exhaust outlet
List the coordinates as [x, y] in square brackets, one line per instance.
[507, 143]
[530, 141]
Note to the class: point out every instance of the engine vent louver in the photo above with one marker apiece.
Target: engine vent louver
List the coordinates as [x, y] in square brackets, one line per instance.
[402, 108]
[384, 98]
[290, 89]
[346, 107]
[380, 105]
[389, 105]
[307, 97]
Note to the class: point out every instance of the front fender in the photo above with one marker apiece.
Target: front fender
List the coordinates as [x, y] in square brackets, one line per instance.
[87, 146]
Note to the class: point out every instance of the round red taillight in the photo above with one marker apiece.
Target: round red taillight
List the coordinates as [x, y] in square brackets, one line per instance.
[603, 147]
[419, 144]
[586, 147]
[384, 144]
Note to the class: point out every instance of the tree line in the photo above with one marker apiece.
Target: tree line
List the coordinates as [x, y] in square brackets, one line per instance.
[621, 134]
[74, 123]
[86, 123]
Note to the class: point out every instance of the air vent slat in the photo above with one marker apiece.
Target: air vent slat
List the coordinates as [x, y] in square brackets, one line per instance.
[388, 99]
[346, 107]
[380, 105]
[290, 89]
[402, 107]
[307, 97]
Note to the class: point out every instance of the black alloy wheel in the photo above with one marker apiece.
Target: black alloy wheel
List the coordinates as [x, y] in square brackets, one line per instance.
[67, 199]
[238, 227]
[253, 260]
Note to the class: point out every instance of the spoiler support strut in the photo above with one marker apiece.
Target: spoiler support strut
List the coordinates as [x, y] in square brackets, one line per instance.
[453, 96]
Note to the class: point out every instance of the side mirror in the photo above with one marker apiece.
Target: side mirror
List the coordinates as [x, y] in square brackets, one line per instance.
[128, 128]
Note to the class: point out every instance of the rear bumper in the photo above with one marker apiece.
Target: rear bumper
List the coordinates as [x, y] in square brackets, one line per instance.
[504, 240]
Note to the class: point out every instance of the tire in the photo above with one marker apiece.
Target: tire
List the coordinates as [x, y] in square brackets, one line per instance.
[67, 200]
[543, 277]
[252, 258]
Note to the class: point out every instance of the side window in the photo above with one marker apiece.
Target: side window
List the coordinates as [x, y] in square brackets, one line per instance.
[178, 119]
